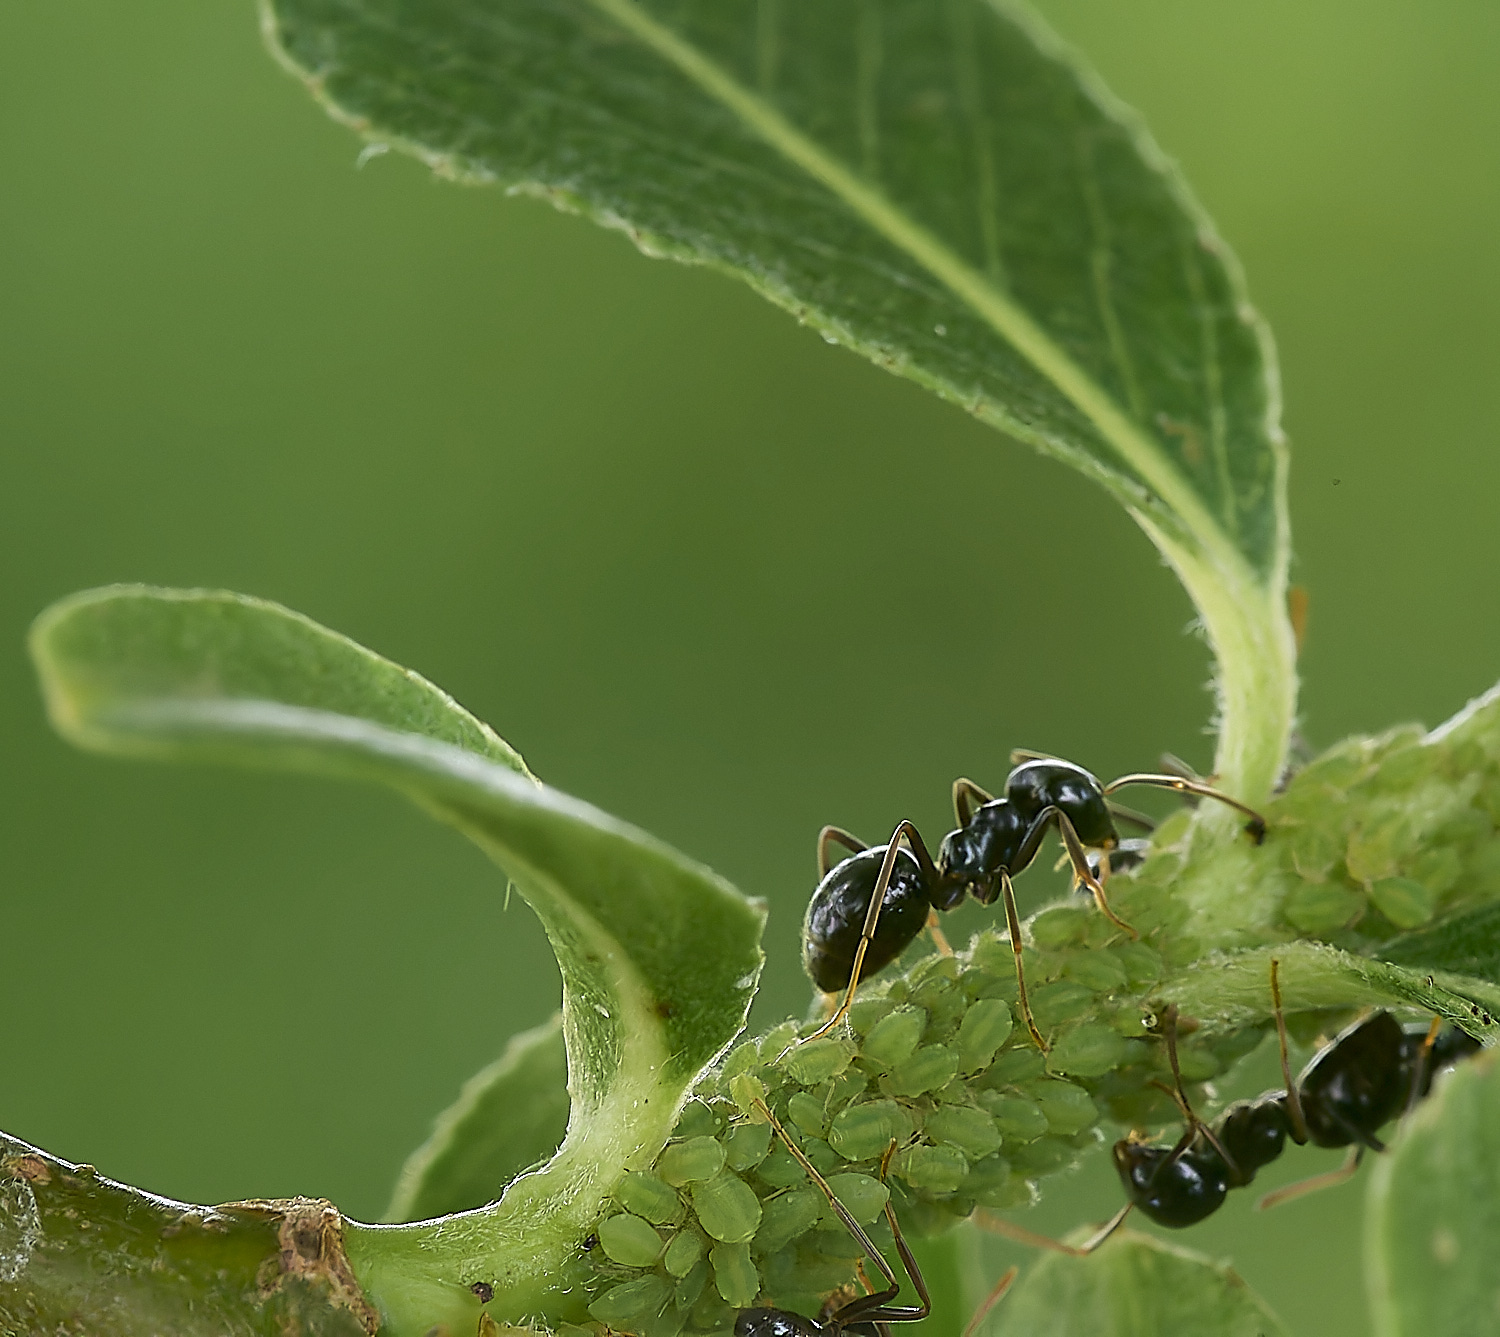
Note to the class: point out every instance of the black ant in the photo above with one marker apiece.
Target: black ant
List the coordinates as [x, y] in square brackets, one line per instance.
[869, 907]
[865, 1314]
[1350, 1089]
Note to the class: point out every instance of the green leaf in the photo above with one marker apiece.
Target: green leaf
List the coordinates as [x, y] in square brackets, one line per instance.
[940, 186]
[510, 1117]
[1134, 1286]
[1432, 1231]
[659, 957]
[1465, 944]
[1231, 990]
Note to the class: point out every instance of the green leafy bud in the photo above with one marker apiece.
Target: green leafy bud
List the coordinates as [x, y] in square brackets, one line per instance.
[735, 1276]
[971, 1130]
[1068, 1108]
[895, 1038]
[1322, 909]
[683, 1253]
[647, 1196]
[863, 1196]
[940, 1169]
[689, 1162]
[747, 1145]
[928, 1068]
[818, 1060]
[630, 1241]
[726, 1207]
[864, 1131]
[1404, 902]
[786, 1217]
[985, 1027]
[633, 1303]
[1090, 1050]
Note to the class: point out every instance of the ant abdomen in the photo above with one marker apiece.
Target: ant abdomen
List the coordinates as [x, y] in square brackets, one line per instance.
[836, 915]
[1357, 1083]
[1173, 1187]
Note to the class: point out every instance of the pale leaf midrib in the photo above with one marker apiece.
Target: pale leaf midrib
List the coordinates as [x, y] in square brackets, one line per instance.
[1007, 319]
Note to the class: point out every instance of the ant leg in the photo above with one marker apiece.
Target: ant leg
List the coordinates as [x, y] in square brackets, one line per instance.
[998, 1225]
[1137, 819]
[939, 938]
[991, 1300]
[966, 797]
[1421, 1064]
[1315, 1184]
[831, 835]
[1256, 826]
[1293, 1096]
[866, 1308]
[1195, 1126]
[1013, 924]
[872, 918]
[1080, 860]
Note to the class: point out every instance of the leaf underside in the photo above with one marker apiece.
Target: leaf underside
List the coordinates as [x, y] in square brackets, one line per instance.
[940, 186]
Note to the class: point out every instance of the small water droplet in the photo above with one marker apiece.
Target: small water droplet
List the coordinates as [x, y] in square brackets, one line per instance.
[940, 330]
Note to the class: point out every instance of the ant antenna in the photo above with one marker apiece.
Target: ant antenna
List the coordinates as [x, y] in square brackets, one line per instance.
[1256, 826]
[1293, 1098]
[998, 1225]
[1195, 1125]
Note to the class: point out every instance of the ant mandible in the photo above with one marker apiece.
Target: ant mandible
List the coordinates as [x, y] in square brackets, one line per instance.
[865, 1314]
[869, 907]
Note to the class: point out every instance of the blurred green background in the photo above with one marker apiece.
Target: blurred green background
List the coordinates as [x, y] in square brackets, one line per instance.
[648, 528]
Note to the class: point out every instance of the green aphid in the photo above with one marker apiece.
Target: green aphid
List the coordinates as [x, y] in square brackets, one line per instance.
[972, 1130]
[862, 1132]
[927, 1069]
[696, 1120]
[807, 1112]
[863, 1196]
[1090, 1050]
[632, 1303]
[1061, 926]
[938, 1169]
[1097, 970]
[735, 1277]
[727, 1208]
[1064, 1000]
[691, 1286]
[647, 1196]
[1018, 1118]
[630, 1241]
[691, 1162]
[747, 1145]
[1143, 964]
[786, 1217]
[1046, 1156]
[895, 1038]
[683, 1253]
[986, 1026]
[818, 1060]
[780, 1169]
[1068, 1108]
[747, 1091]
[1322, 908]
[867, 1012]
[1015, 1067]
